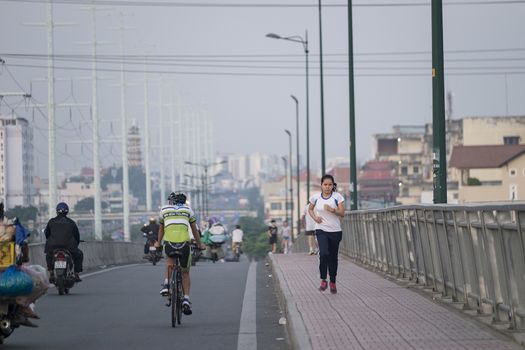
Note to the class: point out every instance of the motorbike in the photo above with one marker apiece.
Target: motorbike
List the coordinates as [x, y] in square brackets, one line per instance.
[214, 237]
[155, 254]
[64, 269]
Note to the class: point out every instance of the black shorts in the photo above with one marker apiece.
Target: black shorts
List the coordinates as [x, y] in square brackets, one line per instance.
[185, 258]
[310, 233]
[273, 239]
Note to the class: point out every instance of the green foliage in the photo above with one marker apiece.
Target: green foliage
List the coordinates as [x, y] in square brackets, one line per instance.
[256, 245]
[252, 225]
[472, 181]
[255, 236]
[87, 204]
[22, 213]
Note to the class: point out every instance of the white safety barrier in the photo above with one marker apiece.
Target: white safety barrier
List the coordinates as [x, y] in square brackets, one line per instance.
[96, 253]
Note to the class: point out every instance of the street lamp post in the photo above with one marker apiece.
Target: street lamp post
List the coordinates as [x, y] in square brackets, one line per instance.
[323, 162]
[304, 42]
[285, 187]
[298, 168]
[291, 183]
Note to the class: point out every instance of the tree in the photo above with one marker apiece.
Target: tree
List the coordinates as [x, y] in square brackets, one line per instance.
[473, 181]
[255, 236]
[22, 213]
[87, 205]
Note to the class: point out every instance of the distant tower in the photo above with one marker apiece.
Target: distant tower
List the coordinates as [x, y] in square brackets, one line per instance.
[134, 152]
[450, 97]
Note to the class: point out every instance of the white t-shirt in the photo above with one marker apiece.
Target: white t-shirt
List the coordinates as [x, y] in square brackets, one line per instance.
[331, 222]
[309, 222]
[285, 231]
[237, 235]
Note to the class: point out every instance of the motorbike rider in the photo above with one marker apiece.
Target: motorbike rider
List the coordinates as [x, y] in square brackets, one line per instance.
[175, 218]
[151, 231]
[62, 232]
[237, 239]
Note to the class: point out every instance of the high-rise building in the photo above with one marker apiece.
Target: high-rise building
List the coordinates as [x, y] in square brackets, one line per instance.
[134, 151]
[16, 161]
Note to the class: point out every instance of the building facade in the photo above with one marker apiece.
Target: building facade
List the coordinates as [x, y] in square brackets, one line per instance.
[16, 162]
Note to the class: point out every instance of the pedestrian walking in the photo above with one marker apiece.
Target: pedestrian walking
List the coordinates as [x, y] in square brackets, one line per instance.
[272, 234]
[326, 209]
[309, 229]
[285, 237]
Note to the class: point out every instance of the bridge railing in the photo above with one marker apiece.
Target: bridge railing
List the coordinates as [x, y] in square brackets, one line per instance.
[474, 254]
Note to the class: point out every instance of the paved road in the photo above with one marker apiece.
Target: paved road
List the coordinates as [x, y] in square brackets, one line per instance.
[121, 309]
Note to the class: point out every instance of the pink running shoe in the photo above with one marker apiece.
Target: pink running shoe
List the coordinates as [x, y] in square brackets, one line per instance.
[333, 288]
[323, 286]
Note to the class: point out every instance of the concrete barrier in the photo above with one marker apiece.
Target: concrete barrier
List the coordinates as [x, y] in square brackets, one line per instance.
[96, 253]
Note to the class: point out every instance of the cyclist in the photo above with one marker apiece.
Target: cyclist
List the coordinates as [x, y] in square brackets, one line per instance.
[175, 218]
[237, 239]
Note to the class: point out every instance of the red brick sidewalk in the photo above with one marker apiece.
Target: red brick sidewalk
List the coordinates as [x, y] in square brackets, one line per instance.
[370, 312]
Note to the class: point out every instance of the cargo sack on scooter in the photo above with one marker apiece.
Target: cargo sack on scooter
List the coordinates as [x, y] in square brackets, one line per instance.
[40, 284]
[218, 239]
[15, 282]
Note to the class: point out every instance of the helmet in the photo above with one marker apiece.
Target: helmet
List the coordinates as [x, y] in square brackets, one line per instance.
[177, 198]
[62, 208]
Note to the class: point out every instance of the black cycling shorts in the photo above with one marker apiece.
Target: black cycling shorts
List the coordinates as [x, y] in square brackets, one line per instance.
[185, 258]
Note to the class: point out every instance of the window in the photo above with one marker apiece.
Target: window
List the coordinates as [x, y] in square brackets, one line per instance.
[511, 140]
[416, 170]
[289, 205]
[404, 170]
[275, 206]
[512, 172]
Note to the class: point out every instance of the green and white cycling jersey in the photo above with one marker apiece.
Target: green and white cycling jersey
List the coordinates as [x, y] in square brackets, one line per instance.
[176, 220]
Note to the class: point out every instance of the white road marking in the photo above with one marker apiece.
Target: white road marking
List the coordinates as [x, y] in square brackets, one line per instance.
[247, 329]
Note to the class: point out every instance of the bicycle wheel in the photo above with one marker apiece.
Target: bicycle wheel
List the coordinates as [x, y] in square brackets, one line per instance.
[173, 298]
[180, 296]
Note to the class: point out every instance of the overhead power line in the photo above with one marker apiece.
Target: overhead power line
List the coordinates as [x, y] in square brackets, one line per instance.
[511, 70]
[264, 5]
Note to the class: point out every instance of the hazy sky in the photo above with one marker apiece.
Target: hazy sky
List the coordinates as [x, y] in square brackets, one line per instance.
[248, 98]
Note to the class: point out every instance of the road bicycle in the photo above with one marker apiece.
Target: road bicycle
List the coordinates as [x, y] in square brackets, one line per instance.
[175, 293]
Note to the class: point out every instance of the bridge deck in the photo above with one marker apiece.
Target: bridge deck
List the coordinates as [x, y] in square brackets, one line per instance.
[371, 312]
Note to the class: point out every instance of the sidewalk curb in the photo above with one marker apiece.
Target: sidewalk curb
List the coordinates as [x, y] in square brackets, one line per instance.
[299, 337]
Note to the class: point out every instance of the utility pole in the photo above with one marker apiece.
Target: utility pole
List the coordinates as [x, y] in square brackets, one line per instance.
[161, 139]
[125, 165]
[439, 154]
[94, 117]
[146, 138]
[172, 139]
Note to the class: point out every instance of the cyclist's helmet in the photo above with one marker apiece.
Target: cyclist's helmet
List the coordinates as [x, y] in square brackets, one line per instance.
[62, 208]
[177, 198]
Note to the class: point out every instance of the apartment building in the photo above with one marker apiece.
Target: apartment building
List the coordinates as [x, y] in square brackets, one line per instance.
[16, 161]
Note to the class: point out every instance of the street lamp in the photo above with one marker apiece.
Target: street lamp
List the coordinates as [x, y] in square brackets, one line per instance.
[285, 187]
[323, 163]
[298, 172]
[291, 184]
[304, 42]
[205, 166]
